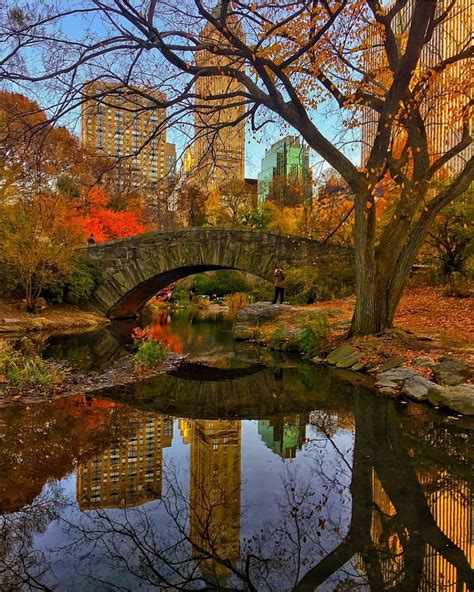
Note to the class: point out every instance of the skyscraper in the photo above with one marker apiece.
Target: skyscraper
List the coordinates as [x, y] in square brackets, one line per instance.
[219, 148]
[129, 473]
[215, 491]
[442, 106]
[285, 174]
[117, 124]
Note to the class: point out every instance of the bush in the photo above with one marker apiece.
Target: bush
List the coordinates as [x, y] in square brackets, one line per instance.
[310, 338]
[149, 353]
[19, 368]
[458, 286]
[77, 286]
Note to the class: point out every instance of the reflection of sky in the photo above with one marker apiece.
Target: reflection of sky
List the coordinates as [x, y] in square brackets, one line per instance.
[264, 474]
[76, 27]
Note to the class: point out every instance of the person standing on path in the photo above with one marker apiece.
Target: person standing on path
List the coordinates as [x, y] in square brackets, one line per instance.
[280, 283]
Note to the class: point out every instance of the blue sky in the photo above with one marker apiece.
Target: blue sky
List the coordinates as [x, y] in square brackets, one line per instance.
[328, 123]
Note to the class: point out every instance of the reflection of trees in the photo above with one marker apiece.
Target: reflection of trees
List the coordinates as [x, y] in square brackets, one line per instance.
[21, 567]
[379, 450]
[42, 442]
[387, 544]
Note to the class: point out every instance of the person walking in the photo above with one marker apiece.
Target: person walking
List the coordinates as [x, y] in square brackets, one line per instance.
[280, 283]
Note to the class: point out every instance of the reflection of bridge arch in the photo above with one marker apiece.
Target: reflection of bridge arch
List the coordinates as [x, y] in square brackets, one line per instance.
[135, 268]
[205, 373]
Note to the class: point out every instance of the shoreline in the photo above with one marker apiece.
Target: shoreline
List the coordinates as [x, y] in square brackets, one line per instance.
[61, 318]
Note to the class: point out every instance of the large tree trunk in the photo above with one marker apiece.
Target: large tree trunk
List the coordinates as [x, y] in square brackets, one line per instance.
[382, 273]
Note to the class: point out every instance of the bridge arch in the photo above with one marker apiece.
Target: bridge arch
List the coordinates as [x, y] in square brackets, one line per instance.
[133, 269]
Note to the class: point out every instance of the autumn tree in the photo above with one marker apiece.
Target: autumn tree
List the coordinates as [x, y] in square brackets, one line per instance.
[228, 204]
[191, 205]
[94, 215]
[38, 240]
[372, 62]
[37, 156]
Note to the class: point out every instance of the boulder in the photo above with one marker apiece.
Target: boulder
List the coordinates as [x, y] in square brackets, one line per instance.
[417, 387]
[340, 353]
[349, 361]
[392, 363]
[423, 362]
[451, 372]
[460, 398]
[250, 318]
[397, 374]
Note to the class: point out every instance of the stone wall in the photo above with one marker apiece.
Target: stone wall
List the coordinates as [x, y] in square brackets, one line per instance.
[133, 269]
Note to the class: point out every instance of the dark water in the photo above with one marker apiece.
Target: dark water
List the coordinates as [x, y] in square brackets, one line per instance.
[242, 471]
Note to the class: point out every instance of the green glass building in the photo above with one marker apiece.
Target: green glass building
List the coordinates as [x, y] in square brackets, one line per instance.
[285, 174]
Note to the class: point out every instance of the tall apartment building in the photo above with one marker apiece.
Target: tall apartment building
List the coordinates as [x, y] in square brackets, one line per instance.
[130, 473]
[118, 125]
[215, 489]
[444, 102]
[218, 148]
[285, 174]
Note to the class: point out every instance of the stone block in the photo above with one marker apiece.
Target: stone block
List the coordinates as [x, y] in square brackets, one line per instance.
[451, 372]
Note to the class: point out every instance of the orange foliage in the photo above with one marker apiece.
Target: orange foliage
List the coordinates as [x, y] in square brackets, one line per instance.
[95, 217]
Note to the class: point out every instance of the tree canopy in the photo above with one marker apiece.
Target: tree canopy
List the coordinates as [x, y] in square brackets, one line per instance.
[376, 65]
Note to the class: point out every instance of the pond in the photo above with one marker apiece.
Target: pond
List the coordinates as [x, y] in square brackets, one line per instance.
[241, 470]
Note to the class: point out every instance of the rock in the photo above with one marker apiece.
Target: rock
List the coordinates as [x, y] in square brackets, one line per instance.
[397, 374]
[250, 318]
[358, 367]
[316, 360]
[388, 390]
[287, 339]
[423, 362]
[450, 372]
[417, 387]
[348, 361]
[338, 354]
[391, 363]
[40, 304]
[460, 398]
[384, 383]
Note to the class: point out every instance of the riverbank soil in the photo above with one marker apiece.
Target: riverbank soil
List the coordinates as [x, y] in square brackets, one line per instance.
[427, 323]
[61, 317]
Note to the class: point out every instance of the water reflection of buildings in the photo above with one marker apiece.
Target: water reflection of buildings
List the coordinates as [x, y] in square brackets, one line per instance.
[129, 473]
[215, 490]
[284, 435]
[451, 502]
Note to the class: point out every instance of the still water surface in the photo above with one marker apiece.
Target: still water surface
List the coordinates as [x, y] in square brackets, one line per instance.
[241, 471]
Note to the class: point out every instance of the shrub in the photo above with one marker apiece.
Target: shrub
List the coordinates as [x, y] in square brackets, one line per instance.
[458, 286]
[77, 286]
[149, 354]
[19, 368]
[310, 338]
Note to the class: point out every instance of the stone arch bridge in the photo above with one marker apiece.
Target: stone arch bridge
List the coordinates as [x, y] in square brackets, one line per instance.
[134, 269]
